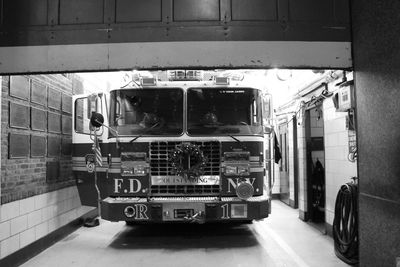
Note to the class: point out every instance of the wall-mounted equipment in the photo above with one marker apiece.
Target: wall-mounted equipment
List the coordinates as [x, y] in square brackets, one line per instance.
[344, 98]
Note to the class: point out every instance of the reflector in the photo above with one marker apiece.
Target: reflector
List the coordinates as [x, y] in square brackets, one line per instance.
[239, 210]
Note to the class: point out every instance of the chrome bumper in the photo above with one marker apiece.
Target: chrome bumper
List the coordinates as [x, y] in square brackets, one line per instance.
[184, 209]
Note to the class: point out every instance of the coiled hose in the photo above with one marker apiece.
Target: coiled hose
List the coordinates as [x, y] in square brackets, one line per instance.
[345, 224]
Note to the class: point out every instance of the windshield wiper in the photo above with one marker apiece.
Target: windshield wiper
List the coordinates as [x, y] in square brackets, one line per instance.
[134, 139]
[145, 131]
[234, 138]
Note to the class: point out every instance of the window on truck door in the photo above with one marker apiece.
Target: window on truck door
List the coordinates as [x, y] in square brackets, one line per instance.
[83, 111]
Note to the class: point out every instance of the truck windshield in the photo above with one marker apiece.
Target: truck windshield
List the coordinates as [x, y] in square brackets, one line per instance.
[224, 111]
[150, 111]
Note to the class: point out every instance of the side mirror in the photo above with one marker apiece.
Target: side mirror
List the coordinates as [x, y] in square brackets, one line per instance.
[96, 120]
[267, 106]
[117, 109]
[268, 129]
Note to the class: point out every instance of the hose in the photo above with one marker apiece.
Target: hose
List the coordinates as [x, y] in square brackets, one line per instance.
[345, 224]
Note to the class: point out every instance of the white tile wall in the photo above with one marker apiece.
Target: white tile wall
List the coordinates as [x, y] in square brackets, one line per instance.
[291, 160]
[301, 144]
[338, 169]
[301, 205]
[9, 245]
[277, 184]
[5, 230]
[34, 218]
[40, 201]
[26, 206]
[41, 230]
[27, 237]
[9, 211]
[329, 177]
[19, 224]
[329, 215]
[335, 125]
[24, 221]
[54, 224]
[48, 212]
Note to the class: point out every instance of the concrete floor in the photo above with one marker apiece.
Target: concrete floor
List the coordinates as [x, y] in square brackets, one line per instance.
[280, 240]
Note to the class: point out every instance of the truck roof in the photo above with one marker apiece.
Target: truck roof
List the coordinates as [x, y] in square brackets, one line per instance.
[191, 84]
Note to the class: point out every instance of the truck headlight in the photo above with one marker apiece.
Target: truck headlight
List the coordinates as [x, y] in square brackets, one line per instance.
[126, 170]
[139, 170]
[237, 163]
[230, 170]
[244, 190]
[134, 164]
[243, 170]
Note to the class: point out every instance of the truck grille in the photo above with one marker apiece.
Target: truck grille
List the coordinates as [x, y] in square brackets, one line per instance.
[185, 189]
[161, 166]
[160, 152]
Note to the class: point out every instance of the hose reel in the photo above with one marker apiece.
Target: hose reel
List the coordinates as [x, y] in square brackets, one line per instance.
[345, 224]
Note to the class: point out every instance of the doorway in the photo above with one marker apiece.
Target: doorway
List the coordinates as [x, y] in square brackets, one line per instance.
[315, 152]
[288, 168]
[284, 163]
[295, 201]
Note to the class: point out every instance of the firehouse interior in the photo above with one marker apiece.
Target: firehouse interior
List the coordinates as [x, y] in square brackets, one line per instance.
[199, 133]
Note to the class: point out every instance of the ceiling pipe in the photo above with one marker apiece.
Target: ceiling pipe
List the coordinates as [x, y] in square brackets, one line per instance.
[318, 82]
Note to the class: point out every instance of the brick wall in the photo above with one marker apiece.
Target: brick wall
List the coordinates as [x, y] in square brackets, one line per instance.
[38, 193]
[36, 134]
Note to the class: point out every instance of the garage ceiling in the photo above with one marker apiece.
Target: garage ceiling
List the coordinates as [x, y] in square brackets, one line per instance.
[76, 35]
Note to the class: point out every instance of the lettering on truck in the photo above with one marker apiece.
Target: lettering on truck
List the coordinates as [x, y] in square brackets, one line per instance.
[134, 185]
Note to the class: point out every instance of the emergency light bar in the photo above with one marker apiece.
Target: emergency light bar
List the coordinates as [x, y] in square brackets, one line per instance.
[185, 75]
[221, 80]
[148, 81]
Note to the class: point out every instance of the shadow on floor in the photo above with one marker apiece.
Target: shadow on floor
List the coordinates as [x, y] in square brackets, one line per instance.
[320, 227]
[184, 236]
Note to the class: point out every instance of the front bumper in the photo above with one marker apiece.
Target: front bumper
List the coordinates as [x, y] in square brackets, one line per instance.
[182, 209]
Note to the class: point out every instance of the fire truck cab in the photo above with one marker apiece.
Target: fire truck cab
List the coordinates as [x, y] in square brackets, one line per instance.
[175, 151]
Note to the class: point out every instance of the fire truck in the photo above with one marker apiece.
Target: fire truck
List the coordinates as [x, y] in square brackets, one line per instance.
[181, 150]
